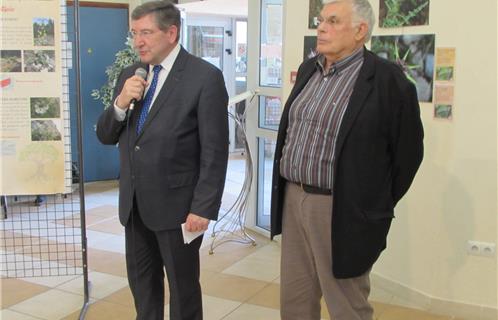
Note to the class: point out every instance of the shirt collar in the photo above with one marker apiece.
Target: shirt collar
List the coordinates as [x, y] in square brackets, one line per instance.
[168, 62]
[341, 64]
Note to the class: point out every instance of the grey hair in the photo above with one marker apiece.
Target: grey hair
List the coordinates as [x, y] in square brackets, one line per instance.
[362, 12]
[165, 13]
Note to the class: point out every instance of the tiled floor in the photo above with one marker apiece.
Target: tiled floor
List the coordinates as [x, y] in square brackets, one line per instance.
[239, 281]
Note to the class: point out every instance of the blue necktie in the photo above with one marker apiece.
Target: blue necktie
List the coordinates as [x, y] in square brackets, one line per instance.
[148, 99]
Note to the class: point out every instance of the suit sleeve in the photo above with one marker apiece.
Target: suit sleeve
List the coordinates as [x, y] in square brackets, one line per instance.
[213, 136]
[108, 128]
[407, 143]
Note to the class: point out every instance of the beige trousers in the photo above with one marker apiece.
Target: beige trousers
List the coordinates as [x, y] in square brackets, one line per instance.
[306, 265]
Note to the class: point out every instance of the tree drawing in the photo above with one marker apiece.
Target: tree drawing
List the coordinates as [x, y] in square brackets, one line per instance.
[41, 155]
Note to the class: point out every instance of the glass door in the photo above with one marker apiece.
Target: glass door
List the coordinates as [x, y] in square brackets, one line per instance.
[265, 75]
[240, 78]
[207, 42]
[214, 40]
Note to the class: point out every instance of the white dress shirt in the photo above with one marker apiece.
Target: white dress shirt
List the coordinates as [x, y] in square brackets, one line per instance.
[166, 64]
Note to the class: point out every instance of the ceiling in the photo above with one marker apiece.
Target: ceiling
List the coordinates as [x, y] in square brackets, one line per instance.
[233, 8]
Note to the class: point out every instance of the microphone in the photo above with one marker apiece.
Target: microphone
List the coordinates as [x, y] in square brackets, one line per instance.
[142, 73]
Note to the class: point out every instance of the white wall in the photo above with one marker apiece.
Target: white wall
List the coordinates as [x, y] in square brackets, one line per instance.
[454, 196]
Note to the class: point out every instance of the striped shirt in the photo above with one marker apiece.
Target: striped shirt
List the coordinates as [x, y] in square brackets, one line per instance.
[314, 120]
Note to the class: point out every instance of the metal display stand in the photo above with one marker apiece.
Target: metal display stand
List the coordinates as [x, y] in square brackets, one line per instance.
[3, 213]
[45, 235]
[231, 226]
[79, 104]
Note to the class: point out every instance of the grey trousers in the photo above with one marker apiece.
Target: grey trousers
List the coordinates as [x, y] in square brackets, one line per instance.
[148, 254]
[306, 265]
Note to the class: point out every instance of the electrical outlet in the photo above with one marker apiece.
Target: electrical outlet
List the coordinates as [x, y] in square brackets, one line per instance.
[488, 249]
[478, 248]
[473, 248]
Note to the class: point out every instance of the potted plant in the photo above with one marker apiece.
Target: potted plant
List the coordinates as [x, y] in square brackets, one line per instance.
[124, 58]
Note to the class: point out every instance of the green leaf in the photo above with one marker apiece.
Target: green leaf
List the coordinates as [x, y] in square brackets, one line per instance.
[124, 58]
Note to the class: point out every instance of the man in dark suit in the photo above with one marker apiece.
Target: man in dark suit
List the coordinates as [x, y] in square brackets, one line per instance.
[349, 144]
[173, 153]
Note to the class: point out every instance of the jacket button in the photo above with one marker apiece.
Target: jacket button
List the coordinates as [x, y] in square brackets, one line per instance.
[137, 148]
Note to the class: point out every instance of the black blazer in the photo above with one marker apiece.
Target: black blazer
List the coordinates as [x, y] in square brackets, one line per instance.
[178, 163]
[379, 149]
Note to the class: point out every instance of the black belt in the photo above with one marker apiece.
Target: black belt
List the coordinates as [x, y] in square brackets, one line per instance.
[314, 190]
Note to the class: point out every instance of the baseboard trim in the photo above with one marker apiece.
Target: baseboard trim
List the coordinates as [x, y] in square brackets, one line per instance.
[399, 294]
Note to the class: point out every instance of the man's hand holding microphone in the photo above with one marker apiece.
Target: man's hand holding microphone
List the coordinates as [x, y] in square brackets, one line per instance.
[133, 90]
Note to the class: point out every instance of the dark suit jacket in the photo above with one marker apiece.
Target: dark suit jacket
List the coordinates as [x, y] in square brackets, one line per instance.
[379, 149]
[178, 163]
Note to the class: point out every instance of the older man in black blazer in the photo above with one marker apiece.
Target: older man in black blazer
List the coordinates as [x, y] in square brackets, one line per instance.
[348, 147]
[173, 153]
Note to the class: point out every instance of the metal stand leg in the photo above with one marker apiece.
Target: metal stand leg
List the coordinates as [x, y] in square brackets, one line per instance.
[231, 226]
[3, 214]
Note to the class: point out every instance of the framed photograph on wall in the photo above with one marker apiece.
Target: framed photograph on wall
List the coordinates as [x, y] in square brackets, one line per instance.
[414, 54]
[315, 8]
[309, 47]
[400, 13]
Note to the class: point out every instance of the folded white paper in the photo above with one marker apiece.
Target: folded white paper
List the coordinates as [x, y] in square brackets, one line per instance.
[189, 236]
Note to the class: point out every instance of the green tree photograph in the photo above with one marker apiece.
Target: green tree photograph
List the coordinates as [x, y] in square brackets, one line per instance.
[43, 32]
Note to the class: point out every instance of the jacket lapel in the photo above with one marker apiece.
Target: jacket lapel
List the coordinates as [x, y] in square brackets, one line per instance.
[361, 91]
[167, 89]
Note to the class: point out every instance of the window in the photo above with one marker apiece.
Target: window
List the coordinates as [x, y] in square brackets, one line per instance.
[206, 42]
[266, 153]
[270, 67]
[270, 111]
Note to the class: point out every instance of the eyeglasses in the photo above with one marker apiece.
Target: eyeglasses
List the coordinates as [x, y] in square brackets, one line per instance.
[142, 34]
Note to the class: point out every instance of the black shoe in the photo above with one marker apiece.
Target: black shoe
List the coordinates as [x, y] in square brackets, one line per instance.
[39, 200]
